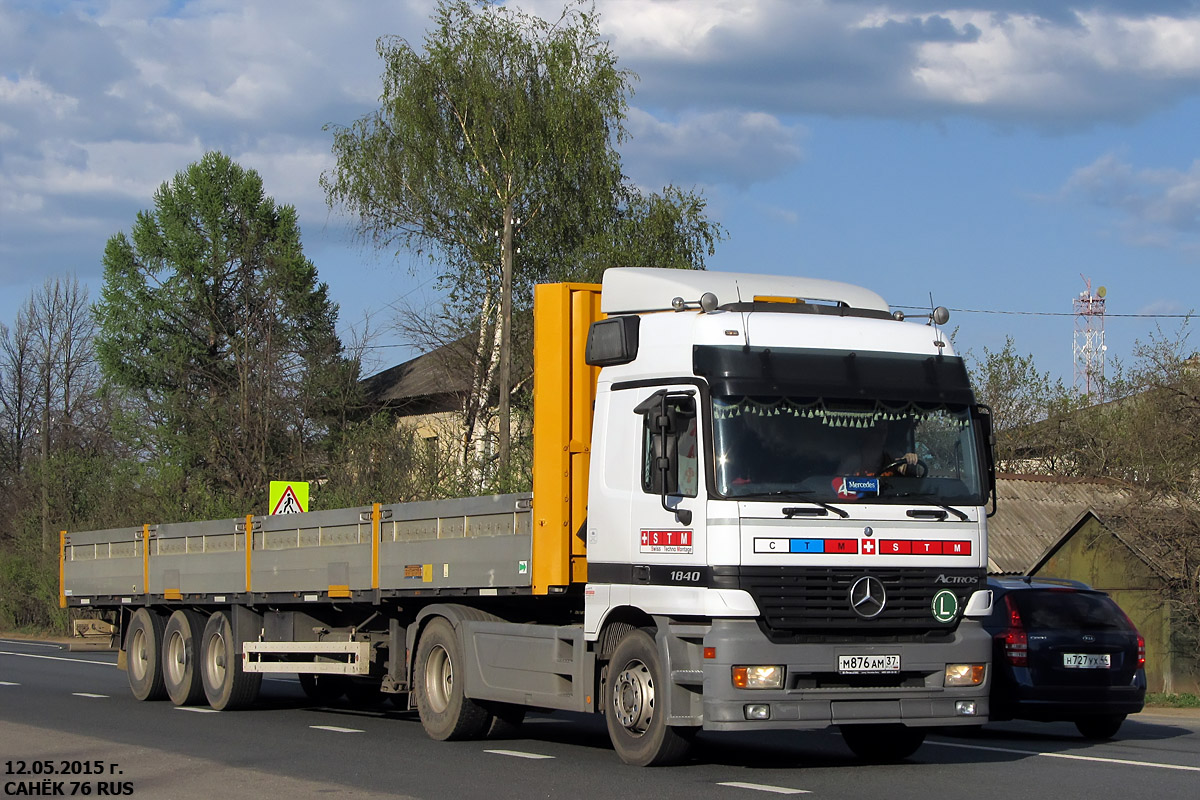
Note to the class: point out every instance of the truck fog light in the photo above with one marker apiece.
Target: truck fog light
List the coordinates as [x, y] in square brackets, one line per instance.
[964, 674]
[758, 677]
[965, 708]
[757, 711]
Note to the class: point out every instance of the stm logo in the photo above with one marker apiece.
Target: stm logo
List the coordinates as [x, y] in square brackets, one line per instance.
[956, 579]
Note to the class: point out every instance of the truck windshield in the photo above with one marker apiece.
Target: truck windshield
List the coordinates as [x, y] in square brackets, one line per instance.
[824, 450]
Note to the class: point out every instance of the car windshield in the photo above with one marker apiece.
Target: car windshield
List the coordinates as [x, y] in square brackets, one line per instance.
[1064, 609]
[825, 450]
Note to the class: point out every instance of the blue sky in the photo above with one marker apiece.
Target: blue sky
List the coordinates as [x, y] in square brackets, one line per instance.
[987, 152]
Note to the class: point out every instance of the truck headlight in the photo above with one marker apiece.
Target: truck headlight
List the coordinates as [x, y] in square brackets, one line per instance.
[964, 674]
[758, 677]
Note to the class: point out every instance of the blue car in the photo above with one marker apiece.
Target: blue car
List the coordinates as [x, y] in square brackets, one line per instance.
[1064, 652]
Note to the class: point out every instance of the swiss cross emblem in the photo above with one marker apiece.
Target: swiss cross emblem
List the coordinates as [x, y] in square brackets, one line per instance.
[645, 537]
[868, 546]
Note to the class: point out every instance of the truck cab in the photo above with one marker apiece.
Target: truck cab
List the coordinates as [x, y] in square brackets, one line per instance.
[788, 489]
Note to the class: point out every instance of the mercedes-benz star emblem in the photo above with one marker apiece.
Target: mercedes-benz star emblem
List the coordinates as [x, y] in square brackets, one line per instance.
[868, 597]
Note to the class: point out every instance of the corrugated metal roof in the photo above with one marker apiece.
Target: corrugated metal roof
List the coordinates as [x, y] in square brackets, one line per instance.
[1034, 511]
[446, 370]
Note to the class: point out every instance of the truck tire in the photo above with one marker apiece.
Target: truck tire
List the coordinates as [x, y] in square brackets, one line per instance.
[143, 655]
[446, 713]
[883, 743]
[226, 686]
[322, 687]
[181, 657]
[638, 729]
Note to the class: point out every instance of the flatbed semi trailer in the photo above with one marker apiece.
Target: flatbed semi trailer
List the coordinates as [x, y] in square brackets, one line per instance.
[758, 503]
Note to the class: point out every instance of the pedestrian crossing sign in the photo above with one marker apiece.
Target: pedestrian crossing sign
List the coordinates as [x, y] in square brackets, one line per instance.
[289, 497]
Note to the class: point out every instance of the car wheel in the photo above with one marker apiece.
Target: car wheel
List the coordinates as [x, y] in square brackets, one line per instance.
[1102, 727]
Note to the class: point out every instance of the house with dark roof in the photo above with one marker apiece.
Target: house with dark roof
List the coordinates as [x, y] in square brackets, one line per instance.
[431, 395]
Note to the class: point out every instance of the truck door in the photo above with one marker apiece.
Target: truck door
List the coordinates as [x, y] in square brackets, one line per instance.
[667, 506]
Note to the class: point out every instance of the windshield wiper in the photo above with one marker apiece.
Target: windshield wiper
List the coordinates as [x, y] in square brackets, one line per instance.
[939, 515]
[824, 508]
[961, 515]
[792, 494]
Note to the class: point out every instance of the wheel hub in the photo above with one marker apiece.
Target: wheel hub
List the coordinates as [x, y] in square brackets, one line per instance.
[137, 650]
[633, 697]
[439, 679]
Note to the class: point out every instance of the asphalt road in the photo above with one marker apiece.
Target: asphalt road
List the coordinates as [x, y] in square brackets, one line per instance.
[72, 711]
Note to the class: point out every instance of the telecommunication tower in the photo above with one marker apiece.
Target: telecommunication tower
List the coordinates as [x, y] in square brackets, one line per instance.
[1089, 341]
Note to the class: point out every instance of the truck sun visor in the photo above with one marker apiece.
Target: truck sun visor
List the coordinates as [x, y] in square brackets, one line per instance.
[830, 373]
[613, 341]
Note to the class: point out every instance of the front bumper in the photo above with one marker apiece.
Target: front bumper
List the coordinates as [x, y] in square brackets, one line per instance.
[815, 696]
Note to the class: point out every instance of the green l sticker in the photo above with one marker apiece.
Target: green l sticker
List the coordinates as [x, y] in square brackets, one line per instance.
[945, 606]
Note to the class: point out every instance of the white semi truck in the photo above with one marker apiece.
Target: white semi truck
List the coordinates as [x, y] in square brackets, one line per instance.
[759, 502]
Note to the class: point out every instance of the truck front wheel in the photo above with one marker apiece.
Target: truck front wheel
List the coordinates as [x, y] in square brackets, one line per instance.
[143, 655]
[632, 695]
[446, 713]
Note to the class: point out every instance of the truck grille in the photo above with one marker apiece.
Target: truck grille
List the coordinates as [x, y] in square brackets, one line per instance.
[800, 601]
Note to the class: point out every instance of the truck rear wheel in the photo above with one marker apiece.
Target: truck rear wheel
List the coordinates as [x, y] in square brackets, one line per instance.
[143, 655]
[637, 725]
[181, 657]
[226, 686]
[446, 713]
[883, 742]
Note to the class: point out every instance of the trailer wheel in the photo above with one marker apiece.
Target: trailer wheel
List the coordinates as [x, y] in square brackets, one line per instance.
[143, 650]
[226, 686]
[638, 729]
[883, 743]
[446, 713]
[181, 657]
[323, 688]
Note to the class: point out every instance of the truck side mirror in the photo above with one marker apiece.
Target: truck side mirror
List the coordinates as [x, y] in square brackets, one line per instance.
[662, 422]
[987, 438]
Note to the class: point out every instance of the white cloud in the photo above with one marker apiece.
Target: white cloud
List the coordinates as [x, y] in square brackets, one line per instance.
[291, 171]
[1048, 64]
[1155, 207]
[721, 147]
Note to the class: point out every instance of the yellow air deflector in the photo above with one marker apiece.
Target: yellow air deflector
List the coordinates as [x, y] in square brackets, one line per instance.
[564, 391]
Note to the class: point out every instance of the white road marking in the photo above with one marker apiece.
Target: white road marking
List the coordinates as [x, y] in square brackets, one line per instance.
[517, 754]
[760, 787]
[1070, 756]
[197, 709]
[8, 683]
[335, 729]
[60, 658]
[88, 694]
